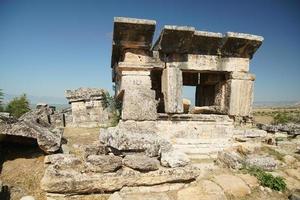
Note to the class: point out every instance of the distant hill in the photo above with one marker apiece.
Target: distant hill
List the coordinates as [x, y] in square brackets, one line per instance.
[259, 104]
[58, 102]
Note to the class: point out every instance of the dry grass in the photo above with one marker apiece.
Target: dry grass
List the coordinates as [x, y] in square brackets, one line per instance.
[22, 170]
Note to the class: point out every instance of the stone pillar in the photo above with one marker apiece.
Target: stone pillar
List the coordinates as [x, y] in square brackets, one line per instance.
[240, 93]
[139, 100]
[172, 89]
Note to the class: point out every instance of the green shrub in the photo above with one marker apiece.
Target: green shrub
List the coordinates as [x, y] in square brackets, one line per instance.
[114, 106]
[266, 179]
[1, 101]
[18, 106]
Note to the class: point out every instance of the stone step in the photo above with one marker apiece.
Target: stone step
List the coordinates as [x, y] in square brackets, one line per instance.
[202, 140]
[199, 150]
[195, 156]
[216, 145]
[205, 166]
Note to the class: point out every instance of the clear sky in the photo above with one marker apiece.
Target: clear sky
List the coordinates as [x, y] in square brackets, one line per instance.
[48, 46]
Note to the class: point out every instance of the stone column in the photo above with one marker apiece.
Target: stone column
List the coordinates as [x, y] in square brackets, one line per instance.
[139, 100]
[240, 93]
[172, 89]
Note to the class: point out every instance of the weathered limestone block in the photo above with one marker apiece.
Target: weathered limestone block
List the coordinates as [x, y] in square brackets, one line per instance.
[137, 57]
[135, 79]
[211, 63]
[206, 43]
[71, 181]
[172, 89]
[174, 158]
[79, 112]
[240, 97]
[175, 39]
[141, 162]
[103, 163]
[131, 33]
[264, 162]
[94, 149]
[230, 159]
[125, 140]
[63, 161]
[139, 104]
[241, 45]
[139, 100]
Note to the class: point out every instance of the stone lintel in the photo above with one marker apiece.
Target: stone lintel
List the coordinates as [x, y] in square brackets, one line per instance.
[125, 66]
[187, 40]
[241, 76]
[174, 39]
[194, 62]
[240, 45]
[206, 43]
[131, 33]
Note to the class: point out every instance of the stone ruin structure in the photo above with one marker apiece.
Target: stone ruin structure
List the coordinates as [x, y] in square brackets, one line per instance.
[87, 107]
[158, 135]
[149, 80]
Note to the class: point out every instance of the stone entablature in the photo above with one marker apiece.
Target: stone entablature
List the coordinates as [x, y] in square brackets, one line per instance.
[149, 78]
[87, 107]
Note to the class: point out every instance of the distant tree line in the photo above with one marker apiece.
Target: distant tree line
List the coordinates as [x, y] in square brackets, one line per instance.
[16, 107]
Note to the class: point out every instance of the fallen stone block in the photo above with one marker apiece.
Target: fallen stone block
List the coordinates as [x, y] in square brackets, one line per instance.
[75, 182]
[63, 161]
[134, 140]
[48, 140]
[264, 162]
[103, 163]
[141, 162]
[230, 159]
[174, 158]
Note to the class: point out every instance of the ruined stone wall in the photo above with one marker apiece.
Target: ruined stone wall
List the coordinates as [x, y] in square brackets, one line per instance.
[180, 50]
[87, 107]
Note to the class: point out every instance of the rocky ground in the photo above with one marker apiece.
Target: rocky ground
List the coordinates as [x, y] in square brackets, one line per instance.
[22, 172]
[276, 153]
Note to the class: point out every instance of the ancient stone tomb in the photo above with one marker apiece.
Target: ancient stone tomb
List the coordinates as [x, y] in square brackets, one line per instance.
[87, 107]
[149, 77]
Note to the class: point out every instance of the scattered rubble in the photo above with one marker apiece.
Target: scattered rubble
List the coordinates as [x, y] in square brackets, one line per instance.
[35, 125]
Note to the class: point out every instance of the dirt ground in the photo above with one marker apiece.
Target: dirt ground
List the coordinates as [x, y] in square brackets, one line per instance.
[22, 167]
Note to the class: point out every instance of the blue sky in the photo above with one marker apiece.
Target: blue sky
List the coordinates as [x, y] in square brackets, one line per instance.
[48, 46]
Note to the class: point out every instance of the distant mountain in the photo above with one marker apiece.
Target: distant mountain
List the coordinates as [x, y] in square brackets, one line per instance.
[276, 103]
[59, 102]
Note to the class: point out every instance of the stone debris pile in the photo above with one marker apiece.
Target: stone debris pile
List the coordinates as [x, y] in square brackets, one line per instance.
[120, 159]
[41, 125]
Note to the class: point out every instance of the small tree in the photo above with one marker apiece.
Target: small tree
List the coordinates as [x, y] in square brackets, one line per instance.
[18, 106]
[1, 100]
